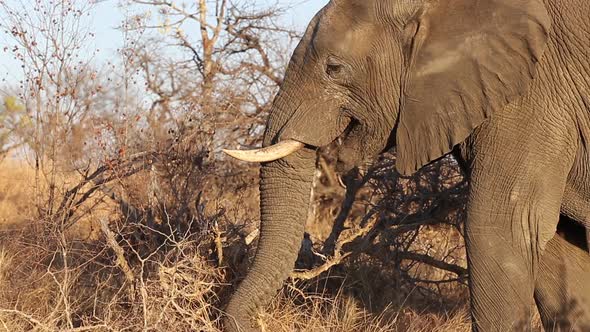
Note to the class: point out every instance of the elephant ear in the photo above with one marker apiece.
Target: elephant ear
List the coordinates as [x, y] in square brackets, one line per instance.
[468, 59]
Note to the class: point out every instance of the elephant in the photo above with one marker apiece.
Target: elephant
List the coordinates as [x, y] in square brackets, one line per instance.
[503, 85]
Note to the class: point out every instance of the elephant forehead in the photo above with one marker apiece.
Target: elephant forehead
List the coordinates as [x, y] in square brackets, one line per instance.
[349, 42]
[351, 9]
[342, 31]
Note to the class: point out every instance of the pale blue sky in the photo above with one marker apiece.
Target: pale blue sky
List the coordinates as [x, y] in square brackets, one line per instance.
[109, 15]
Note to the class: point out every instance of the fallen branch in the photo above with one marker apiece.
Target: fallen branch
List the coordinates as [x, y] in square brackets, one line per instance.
[339, 254]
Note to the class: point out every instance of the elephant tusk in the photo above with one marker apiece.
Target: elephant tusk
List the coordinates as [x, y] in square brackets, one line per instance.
[271, 153]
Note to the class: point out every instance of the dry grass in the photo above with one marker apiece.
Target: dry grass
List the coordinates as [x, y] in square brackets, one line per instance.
[16, 192]
[298, 311]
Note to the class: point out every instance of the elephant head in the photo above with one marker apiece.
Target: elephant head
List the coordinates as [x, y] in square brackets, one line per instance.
[419, 74]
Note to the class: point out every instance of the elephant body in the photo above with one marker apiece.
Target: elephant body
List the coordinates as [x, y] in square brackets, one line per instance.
[528, 164]
[504, 84]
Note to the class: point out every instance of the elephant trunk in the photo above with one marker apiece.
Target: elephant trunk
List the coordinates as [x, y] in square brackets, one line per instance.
[285, 188]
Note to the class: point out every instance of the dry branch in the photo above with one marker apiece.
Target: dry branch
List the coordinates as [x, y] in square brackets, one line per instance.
[439, 264]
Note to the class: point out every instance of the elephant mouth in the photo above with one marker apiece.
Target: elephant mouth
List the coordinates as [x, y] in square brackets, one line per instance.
[346, 133]
[351, 147]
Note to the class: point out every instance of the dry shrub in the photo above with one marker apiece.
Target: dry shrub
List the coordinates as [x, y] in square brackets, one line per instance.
[50, 288]
[181, 279]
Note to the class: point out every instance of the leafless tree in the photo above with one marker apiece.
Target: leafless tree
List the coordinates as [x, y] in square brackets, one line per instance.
[224, 62]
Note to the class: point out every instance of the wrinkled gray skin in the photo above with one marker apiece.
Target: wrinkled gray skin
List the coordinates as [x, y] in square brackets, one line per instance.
[504, 82]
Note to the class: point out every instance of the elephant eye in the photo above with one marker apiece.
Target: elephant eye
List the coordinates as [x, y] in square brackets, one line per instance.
[334, 68]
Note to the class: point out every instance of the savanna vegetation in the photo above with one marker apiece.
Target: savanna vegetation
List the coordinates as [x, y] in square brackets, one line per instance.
[118, 211]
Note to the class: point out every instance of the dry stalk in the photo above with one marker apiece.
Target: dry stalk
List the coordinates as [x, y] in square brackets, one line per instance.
[119, 252]
[30, 319]
[218, 243]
